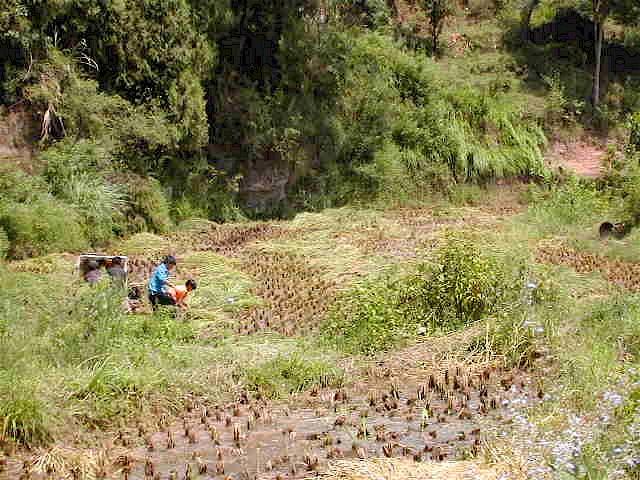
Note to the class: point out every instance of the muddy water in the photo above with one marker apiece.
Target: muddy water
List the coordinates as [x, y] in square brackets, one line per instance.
[437, 423]
[432, 417]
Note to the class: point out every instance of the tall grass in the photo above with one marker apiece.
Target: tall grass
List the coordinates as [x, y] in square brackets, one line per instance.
[495, 142]
[282, 375]
[77, 174]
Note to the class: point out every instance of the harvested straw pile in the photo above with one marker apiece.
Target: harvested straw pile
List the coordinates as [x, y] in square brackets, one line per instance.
[403, 469]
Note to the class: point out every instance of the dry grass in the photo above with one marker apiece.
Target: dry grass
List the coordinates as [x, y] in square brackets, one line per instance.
[143, 244]
[396, 469]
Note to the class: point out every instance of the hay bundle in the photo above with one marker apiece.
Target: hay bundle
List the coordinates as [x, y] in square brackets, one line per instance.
[397, 468]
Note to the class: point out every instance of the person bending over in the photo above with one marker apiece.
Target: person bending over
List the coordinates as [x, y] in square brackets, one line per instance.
[93, 274]
[116, 272]
[179, 293]
[159, 284]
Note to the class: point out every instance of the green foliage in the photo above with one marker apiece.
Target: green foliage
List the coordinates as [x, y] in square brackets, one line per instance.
[148, 208]
[630, 192]
[437, 12]
[101, 321]
[284, 375]
[42, 226]
[634, 131]
[559, 109]
[78, 344]
[23, 416]
[608, 330]
[367, 13]
[507, 335]
[76, 173]
[338, 105]
[368, 318]
[573, 204]
[20, 187]
[461, 286]
[489, 139]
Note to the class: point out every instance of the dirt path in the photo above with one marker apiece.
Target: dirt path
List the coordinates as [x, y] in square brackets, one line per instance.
[580, 156]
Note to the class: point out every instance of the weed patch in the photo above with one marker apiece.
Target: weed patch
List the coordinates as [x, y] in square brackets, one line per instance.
[459, 286]
[23, 415]
[284, 375]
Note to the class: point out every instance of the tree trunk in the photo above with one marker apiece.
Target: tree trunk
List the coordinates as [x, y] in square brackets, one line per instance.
[435, 24]
[435, 42]
[527, 13]
[599, 31]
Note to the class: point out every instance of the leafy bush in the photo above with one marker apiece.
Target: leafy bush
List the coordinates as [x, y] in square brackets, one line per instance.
[76, 173]
[23, 417]
[148, 208]
[42, 226]
[462, 285]
[284, 375]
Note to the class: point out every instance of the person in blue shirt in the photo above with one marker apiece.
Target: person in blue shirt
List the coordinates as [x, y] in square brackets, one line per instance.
[159, 283]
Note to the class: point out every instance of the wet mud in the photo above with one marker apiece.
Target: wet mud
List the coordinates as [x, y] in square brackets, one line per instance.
[438, 417]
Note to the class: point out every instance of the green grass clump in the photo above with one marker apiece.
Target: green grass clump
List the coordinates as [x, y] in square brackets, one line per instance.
[23, 415]
[461, 285]
[610, 329]
[42, 226]
[76, 172]
[368, 318]
[148, 208]
[289, 374]
[84, 358]
[567, 208]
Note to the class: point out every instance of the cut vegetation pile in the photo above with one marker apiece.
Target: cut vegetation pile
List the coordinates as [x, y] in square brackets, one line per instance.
[393, 469]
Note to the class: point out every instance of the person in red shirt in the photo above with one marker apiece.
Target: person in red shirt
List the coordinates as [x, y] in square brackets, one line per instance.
[179, 293]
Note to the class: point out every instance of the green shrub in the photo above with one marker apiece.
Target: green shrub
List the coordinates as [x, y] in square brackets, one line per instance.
[631, 194]
[368, 318]
[19, 187]
[148, 208]
[23, 416]
[76, 173]
[462, 285]
[284, 375]
[42, 226]
[573, 204]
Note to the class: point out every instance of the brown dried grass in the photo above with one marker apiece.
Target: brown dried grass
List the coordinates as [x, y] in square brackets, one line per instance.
[622, 274]
[396, 469]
